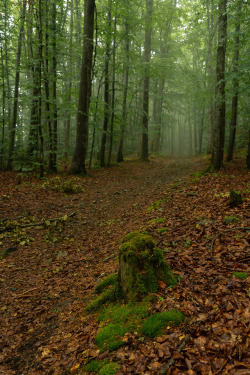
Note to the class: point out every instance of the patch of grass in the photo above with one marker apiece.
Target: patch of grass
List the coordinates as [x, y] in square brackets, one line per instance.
[110, 337]
[241, 275]
[154, 325]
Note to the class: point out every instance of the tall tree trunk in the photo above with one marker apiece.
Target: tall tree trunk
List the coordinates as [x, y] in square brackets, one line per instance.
[3, 111]
[52, 159]
[113, 94]
[68, 122]
[106, 92]
[16, 90]
[220, 107]
[125, 93]
[147, 58]
[233, 124]
[40, 59]
[248, 152]
[81, 147]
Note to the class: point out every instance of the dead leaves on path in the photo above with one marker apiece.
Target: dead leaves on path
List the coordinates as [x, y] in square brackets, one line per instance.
[45, 286]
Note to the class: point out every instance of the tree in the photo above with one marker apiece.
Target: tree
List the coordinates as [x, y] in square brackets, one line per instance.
[81, 146]
[220, 106]
[16, 91]
[147, 58]
[233, 124]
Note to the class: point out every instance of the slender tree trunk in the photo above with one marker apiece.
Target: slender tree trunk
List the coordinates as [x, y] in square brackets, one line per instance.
[106, 93]
[125, 93]
[16, 90]
[81, 147]
[3, 111]
[220, 112]
[233, 124]
[147, 58]
[40, 59]
[113, 95]
[68, 122]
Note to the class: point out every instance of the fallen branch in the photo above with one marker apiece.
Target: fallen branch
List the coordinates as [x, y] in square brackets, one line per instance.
[41, 223]
[171, 362]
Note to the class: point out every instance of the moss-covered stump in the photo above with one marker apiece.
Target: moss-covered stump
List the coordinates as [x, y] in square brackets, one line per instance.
[141, 267]
[235, 199]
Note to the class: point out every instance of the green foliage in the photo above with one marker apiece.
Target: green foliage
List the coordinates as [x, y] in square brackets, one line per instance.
[67, 186]
[241, 275]
[94, 366]
[230, 219]
[109, 369]
[157, 221]
[110, 336]
[154, 325]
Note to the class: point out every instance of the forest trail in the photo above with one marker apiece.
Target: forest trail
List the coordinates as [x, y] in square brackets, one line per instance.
[47, 282]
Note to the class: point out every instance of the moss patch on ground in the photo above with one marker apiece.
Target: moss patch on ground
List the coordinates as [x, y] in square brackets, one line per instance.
[241, 275]
[154, 325]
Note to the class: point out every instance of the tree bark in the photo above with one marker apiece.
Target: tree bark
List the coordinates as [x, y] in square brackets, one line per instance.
[220, 106]
[147, 58]
[16, 90]
[78, 162]
[233, 124]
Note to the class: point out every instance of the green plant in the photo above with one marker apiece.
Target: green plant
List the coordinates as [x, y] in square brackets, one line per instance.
[162, 230]
[230, 219]
[154, 325]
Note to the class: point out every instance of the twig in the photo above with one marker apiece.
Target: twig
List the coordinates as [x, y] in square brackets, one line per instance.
[171, 362]
[218, 235]
[27, 291]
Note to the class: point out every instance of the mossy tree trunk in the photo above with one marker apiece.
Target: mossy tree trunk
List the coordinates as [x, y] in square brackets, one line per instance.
[141, 267]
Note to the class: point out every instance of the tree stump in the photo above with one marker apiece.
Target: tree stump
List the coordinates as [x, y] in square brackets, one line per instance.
[235, 199]
[141, 267]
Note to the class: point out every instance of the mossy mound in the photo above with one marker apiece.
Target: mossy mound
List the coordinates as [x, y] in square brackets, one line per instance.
[67, 186]
[102, 367]
[109, 369]
[235, 199]
[154, 325]
[230, 219]
[110, 337]
[108, 295]
[241, 275]
[141, 266]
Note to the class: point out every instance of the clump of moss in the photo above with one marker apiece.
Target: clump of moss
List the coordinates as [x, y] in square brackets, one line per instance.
[241, 275]
[67, 186]
[154, 325]
[95, 365]
[162, 230]
[141, 266]
[230, 219]
[157, 221]
[109, 369]
[131, 315]
[108, 295]
[110, 337]
[156, 205]
[110, 280]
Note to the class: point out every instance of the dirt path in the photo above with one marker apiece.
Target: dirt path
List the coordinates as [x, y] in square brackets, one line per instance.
[45, 286]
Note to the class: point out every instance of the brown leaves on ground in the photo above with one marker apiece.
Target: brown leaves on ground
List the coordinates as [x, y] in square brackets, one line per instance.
[47, 281]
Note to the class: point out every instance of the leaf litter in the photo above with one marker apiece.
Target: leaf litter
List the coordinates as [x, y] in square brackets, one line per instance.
[47, 282]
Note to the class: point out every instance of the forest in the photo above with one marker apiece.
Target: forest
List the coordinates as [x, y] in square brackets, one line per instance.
[124, 187]
[131, 78]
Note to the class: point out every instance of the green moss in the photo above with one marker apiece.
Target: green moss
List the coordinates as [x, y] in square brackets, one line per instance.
[162, 230]
[230, 219]
[127, 314]
[156, 205]
[154, 325]
[108, 295]
[157, 221]
[235, 199]
[241, 275]
[68, 186]
[95, 366]
[109, 369]
[110, 336]
[110, 280]
[147, 265]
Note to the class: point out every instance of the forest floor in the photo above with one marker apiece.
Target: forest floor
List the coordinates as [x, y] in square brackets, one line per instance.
[57, 246]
